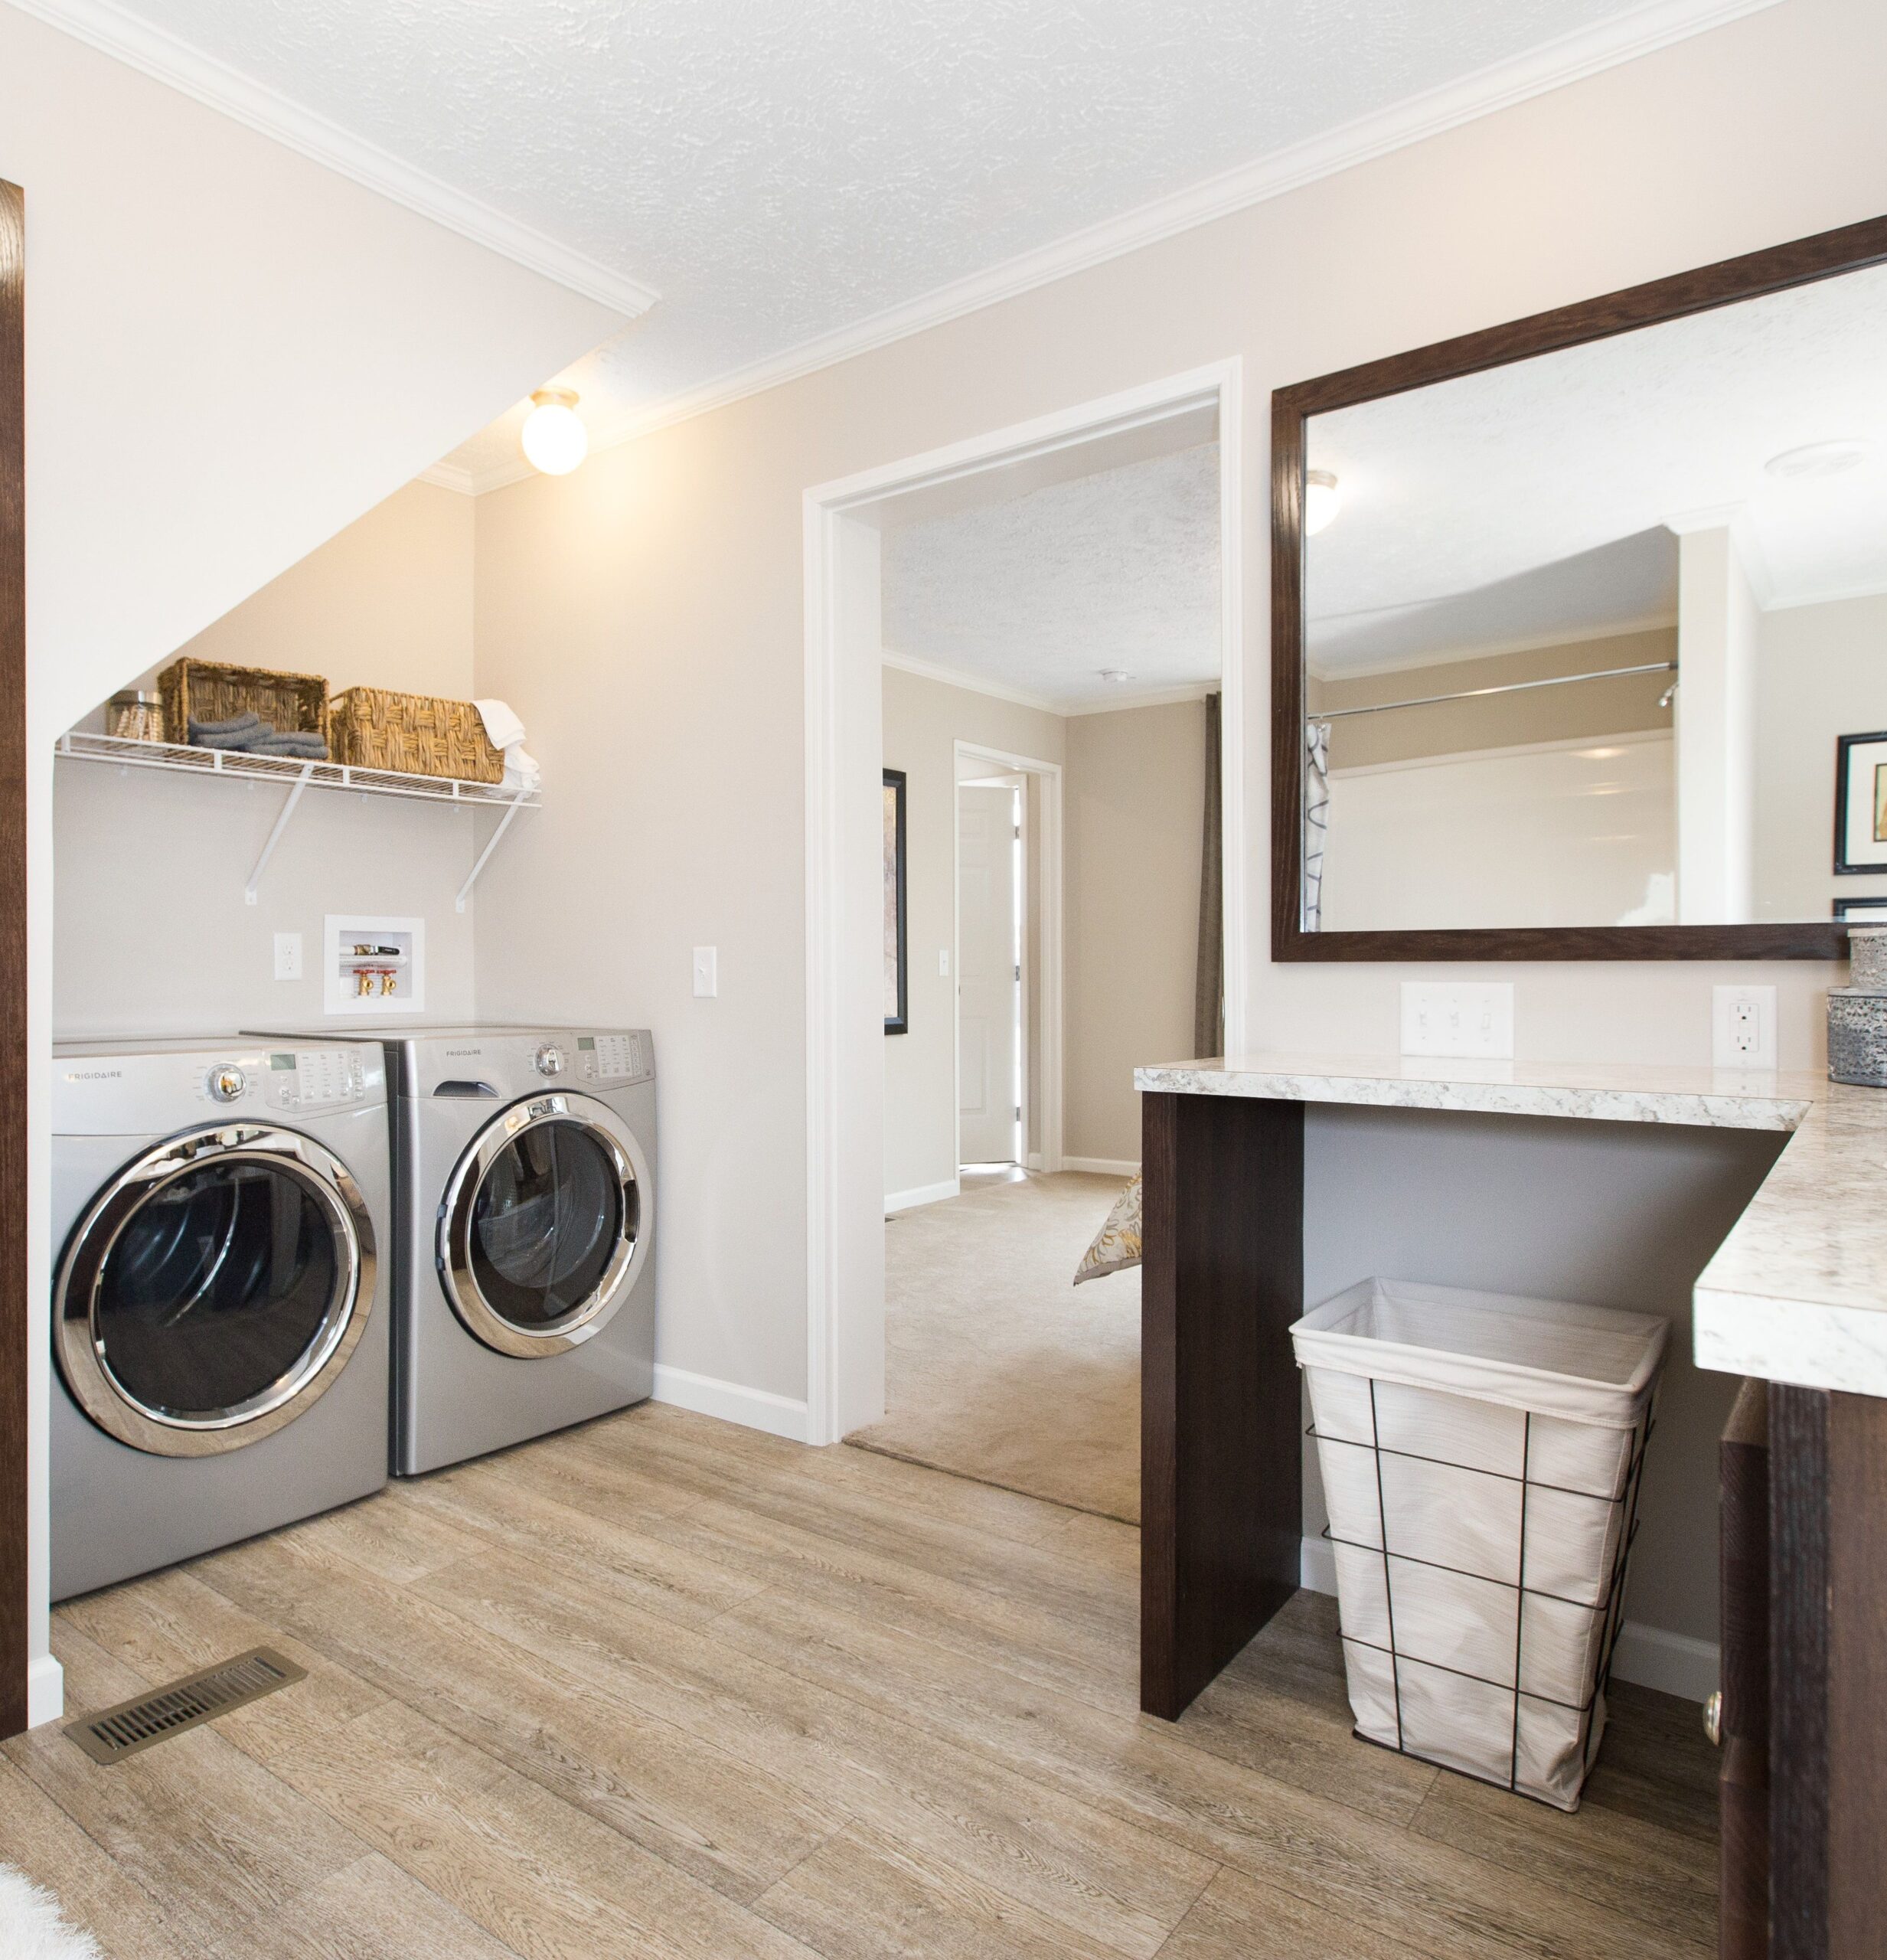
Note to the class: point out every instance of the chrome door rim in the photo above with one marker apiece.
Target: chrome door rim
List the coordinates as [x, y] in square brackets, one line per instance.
[81, 1353]
[593, 1314]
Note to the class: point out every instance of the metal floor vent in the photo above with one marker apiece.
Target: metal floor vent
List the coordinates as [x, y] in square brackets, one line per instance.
[117, 1733]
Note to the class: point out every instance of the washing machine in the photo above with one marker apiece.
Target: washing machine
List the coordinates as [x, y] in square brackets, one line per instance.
[220, 1335]
[525, 1207]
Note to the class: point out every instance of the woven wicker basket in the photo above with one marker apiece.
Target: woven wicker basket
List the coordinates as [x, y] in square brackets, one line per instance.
[414, 734]
[201, 690]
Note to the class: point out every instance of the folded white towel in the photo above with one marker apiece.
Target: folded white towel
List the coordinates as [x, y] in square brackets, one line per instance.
[521, 771]
[502, 728]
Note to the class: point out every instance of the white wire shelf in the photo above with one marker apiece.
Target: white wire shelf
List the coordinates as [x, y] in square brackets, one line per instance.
[296, 775]
[287, 770]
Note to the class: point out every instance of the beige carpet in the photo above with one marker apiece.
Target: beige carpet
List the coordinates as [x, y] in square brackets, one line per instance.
[995, 1367]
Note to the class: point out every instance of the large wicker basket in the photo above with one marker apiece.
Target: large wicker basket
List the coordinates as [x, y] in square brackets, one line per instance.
[201, 690]
[414, 734]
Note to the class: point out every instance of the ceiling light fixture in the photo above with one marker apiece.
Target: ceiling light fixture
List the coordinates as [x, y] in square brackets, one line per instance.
[1116, 677]
[1322, 500]
[555, 439]
[1815, 460]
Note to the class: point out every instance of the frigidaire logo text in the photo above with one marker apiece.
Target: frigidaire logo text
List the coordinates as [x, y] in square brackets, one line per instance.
[464, 1051]
[93, 1075]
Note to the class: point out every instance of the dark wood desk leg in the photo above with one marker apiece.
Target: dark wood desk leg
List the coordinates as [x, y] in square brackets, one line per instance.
[1222, 1500]
[1743, 1777]
[1828, 1674]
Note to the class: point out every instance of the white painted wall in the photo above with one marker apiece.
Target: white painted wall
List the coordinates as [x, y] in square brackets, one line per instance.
[647, 612]
[1822, 673]
[1715, 732]
[1577, 833]
[231, 353]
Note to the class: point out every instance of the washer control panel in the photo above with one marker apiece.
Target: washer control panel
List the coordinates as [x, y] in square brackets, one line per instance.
[315, 1078]
[613, 1058]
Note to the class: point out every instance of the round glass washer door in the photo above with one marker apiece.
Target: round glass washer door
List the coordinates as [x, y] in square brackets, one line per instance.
[543, 1231]
[214, 1289]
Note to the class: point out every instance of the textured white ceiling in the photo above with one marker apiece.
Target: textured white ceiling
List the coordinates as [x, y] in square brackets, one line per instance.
[778, 169]
[1040, 591]
[1532, 501]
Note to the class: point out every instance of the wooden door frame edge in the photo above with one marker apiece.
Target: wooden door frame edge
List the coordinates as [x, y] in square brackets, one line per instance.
[14, 1073]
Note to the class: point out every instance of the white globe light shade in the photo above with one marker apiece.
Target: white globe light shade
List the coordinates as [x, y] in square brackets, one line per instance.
[1322, 500]
[555, 439]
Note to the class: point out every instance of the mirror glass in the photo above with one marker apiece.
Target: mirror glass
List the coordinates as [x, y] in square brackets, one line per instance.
[1599, 638]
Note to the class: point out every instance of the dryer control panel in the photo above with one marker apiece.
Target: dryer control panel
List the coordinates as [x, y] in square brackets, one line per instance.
[606, 1059]
[315, 1078]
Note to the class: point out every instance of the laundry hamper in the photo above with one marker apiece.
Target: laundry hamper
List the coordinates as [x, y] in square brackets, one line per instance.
[1481, 1456]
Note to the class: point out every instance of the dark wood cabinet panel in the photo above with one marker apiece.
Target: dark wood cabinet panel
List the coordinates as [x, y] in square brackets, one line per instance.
[1221, 1464]
[1743, 1778]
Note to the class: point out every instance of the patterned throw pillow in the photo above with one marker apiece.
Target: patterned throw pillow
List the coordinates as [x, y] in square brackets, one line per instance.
[1117, 1245]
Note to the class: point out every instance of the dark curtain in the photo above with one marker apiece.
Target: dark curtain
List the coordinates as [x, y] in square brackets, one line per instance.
[1209, 992]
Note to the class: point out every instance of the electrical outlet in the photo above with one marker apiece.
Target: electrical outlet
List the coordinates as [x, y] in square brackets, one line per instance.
[707, 975]
[1742, 1027]
[288, 955]
[1461, 1017]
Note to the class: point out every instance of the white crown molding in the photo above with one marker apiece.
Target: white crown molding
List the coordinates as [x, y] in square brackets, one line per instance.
[448, 478]
[1570, 58]
[975, 683]
[1116, 704]
[107, 27]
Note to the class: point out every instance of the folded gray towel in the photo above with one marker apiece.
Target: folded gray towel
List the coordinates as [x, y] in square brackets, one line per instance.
[303, 745]
[216, 734]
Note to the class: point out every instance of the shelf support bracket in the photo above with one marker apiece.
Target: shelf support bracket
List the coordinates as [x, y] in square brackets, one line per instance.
[275, 836]
[498, 837]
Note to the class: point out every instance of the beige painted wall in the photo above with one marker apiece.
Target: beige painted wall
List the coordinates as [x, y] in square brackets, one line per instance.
[647, 613]
[924, 720]
[1136, 815]
[1133, 790]
[1821, 672]
[152, 933]
[386, 603]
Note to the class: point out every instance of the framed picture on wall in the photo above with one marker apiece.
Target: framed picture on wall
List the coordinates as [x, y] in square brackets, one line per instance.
[1862, 911]
[897, 994]
[1861, 803]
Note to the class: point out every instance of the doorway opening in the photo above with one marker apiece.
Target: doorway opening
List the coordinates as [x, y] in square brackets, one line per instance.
[1042, 696]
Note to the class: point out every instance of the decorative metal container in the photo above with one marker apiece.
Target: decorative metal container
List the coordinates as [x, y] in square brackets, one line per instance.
[1857, 1013]
[135, 717]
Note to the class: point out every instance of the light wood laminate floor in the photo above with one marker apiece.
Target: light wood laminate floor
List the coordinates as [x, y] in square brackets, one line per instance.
[660, 1687]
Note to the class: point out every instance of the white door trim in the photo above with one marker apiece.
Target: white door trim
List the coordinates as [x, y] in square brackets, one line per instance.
[844, 749]
[1044, 864]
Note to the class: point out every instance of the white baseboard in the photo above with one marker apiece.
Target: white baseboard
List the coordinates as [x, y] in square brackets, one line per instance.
[923, 1194]
[752, 1408]
[1676, 1663]
[1035, 1160]
[1673, 1663]
[45, 1690]
[1107, 1166]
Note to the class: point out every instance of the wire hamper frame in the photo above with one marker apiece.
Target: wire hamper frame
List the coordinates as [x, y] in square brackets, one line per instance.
[1609, 1607]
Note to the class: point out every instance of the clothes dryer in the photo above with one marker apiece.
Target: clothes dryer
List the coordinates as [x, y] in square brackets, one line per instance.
[220, 1335]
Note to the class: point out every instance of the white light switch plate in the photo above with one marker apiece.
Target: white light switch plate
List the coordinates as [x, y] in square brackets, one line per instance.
[707, 976]
[1742, 1027]
[1458, 1017]
[288, 955]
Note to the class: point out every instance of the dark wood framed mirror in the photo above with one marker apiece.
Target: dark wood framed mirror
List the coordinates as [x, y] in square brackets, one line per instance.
[1582, 607]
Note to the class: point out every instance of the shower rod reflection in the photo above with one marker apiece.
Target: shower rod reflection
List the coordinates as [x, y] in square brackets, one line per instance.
[1505, 688]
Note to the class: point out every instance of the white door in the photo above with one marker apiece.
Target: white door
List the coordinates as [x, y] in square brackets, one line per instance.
[989, 977]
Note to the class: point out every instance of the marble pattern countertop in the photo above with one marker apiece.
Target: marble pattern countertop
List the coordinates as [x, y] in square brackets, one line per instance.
[1797, 1293]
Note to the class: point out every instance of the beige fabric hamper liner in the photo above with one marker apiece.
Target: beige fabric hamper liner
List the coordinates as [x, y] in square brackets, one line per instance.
[1491, 1442]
